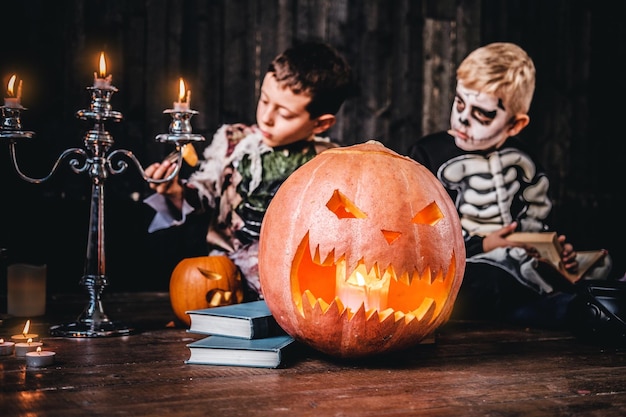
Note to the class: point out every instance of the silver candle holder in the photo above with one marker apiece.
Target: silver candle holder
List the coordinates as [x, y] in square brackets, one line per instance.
[96, 160]
[180, 130]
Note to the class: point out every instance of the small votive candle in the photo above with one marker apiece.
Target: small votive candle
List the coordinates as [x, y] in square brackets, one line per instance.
[25, 336]
[6, 348]
[21, 349]
[39, 358]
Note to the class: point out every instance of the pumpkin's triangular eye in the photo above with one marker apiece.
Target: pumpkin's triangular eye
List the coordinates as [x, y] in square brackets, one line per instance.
[209, 274]
[343, 207]
[430, 214]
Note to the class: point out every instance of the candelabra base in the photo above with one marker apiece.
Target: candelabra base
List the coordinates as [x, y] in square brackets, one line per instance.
[91, 329]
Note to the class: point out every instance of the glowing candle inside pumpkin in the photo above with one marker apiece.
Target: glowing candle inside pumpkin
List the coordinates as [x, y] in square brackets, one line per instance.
[14, 99]
[362, 288]
[102, 80]
[184, 96]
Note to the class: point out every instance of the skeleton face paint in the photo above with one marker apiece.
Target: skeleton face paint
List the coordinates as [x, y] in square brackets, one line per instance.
[478, 120]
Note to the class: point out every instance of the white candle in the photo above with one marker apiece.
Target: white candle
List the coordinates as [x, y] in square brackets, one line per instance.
[361, 289]
[40, 358]
[184, 97]
[17, 338]
[26, 290]
[6, 348]
[25, 336]
[103, 81]
[21, 349]
[14, 100]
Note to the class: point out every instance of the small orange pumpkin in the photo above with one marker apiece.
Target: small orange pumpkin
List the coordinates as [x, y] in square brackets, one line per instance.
[361, 252]
[204, 282]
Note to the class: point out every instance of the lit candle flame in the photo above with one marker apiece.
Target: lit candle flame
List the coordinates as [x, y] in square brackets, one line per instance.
[362, 288]
[181, 90]
[184, 95]
[38, 349]
[11, 84]
[102, 80]
[103, 66]
[26, 328]
[360, 279]
[30, 340]
[11, 88]
[1, 340]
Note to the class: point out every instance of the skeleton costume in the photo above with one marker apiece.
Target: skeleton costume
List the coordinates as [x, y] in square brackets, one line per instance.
[490, 189]
[236, 181]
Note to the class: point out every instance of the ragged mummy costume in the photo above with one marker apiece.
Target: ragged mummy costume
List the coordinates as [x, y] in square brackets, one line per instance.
[236, 181]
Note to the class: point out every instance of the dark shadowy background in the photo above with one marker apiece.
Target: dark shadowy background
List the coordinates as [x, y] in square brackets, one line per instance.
[404, 53]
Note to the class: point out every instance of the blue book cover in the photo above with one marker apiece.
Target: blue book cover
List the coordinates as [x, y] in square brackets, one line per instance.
[251, 320]
[269, 352]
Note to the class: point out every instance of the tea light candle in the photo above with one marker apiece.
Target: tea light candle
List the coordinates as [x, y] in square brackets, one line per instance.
[25, 336]
[361, 290]
[6, 348]
[182, 105]
[21, 349]
[14, 100]
[104, 81]
[21, 338]
[40, 358]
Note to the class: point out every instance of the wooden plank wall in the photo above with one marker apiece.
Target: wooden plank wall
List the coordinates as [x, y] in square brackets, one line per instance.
[404, 53]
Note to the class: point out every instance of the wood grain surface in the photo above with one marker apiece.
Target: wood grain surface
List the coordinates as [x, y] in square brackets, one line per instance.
[471, 369]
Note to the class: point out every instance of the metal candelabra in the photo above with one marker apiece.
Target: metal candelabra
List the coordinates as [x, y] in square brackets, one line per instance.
[96, 160]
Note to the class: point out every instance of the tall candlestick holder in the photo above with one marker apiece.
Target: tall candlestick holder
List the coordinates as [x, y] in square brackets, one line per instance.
[96, 160]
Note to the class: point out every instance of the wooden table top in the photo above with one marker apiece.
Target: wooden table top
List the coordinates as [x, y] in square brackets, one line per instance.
[472, 369]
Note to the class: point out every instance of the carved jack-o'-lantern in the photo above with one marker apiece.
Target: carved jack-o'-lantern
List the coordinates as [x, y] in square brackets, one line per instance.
[361, 252]
[204, 282]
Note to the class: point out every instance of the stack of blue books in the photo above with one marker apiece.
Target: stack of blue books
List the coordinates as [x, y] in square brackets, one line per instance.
[244, 334]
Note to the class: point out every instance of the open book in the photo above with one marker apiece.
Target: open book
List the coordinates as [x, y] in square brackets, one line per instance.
[550, 249]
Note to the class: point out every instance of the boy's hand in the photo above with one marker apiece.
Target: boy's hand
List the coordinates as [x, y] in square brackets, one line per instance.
[172, 190]
[498, 239]
[568, 255]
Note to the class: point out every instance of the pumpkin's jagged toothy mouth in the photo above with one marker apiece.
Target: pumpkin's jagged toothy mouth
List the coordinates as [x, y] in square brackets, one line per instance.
[325, 281]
